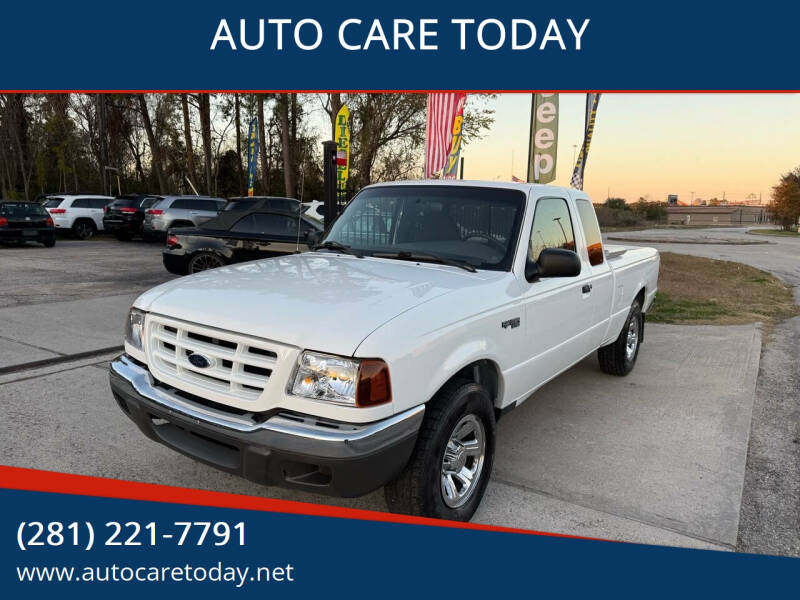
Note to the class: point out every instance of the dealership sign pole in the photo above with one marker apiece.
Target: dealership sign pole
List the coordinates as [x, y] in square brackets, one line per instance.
[252, 156]
[543, 144]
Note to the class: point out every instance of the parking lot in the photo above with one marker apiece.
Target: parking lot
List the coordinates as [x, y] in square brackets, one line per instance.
[658, 457]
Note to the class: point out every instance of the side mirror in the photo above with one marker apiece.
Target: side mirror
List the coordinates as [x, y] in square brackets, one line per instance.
[312, 238]
[558, 262]
[532, 270]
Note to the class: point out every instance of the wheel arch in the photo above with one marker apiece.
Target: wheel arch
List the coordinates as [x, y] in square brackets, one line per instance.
[483, 371]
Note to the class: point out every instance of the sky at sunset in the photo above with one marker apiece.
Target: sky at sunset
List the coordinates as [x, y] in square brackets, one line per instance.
[655, 144]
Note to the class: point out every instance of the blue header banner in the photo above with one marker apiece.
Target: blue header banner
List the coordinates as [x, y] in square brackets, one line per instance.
[360, 45]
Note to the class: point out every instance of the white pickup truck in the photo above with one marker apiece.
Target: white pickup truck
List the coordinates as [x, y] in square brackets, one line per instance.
[386, 356]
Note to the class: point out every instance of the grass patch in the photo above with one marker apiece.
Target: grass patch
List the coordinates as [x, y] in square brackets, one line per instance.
[780, 232]
[699, 290]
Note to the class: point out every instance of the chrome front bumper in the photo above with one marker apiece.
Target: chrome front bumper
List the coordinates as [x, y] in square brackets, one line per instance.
[285, 449]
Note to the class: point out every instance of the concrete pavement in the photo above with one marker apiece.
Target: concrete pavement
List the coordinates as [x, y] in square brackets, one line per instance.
[770, 513]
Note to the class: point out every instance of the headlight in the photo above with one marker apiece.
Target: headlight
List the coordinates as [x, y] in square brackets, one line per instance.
[340, 380]
[134, 329]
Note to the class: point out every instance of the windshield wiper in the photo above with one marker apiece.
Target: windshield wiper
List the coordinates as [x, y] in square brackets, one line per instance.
[340, 247]
[426, 257]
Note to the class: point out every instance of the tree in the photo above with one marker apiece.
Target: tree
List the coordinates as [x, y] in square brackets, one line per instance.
[204, 108]
[239, 169]
[266, 152]
[287, 142]
[187, 135]
[155, 148]
[785, 204]
[618, 203]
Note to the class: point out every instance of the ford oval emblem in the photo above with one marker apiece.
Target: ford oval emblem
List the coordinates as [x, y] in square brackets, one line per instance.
[200, 361]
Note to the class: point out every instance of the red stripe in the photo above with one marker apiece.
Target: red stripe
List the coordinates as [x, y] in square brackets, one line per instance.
[17, 478]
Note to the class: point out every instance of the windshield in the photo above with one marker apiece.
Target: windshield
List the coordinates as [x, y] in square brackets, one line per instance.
[475, 225]
[22, 209]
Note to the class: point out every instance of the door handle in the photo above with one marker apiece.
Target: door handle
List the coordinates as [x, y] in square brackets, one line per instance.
[587, 288]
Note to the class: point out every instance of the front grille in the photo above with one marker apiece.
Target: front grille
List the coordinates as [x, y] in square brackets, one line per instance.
[240, 366]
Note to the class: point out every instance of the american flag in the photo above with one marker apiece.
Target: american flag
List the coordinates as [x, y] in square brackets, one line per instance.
[442, 110]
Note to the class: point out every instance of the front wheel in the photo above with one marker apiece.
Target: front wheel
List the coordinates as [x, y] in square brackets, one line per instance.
[449, 469]
[619, 357]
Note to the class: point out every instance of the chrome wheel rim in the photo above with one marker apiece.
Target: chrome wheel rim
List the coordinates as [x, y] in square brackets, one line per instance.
[203, 263]
[462, 463]
[632, 340]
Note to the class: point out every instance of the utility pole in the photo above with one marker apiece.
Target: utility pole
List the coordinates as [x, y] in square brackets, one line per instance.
[692, 202]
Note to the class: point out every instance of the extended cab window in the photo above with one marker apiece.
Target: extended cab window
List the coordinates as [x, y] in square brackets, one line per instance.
[552, 227]
[594, 242]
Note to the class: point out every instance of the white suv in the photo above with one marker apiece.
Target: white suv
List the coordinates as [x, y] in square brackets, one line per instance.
[80, 214]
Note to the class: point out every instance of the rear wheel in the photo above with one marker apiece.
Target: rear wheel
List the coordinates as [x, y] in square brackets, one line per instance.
[49, 243]
[202, 261]
[123, 236]
[452, 460]
[84, 229]
[619, 357]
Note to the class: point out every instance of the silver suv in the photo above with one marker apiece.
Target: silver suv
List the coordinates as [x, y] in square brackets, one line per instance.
[179, 211]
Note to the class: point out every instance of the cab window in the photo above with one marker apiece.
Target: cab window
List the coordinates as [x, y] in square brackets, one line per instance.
[552, 227]
[594, 241]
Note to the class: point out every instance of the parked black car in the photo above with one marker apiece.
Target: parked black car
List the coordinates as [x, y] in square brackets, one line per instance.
[22, 222]
[124, 216]
[234, 237]
[243, 203]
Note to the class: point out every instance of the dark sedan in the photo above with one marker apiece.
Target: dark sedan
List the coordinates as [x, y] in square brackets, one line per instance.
[234, 237]
[124, 216]
[22, 222]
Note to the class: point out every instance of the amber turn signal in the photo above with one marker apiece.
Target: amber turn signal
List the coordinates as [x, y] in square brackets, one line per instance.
[374, 386]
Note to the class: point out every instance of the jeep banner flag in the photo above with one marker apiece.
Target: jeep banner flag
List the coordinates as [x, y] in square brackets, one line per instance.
[542, 149]
[342, 139]
[443, 109]
[592, 101]
[252, 156]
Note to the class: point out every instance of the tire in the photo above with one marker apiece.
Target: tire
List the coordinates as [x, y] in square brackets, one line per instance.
[619, 357]
[49, 243]
[123, 236]
[422, 487]
[203, 261]
[83, 229]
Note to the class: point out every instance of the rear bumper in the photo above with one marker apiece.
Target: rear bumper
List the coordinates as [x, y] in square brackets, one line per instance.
[27, 235]
[337, 459]
[114, 225]
[175, 263]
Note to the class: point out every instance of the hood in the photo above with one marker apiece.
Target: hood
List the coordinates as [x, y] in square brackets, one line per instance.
[317, 301]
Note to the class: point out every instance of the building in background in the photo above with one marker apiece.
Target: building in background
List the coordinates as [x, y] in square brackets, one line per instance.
[717, 215]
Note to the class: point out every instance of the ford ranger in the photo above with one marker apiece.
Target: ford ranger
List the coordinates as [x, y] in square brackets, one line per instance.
[385, 356]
